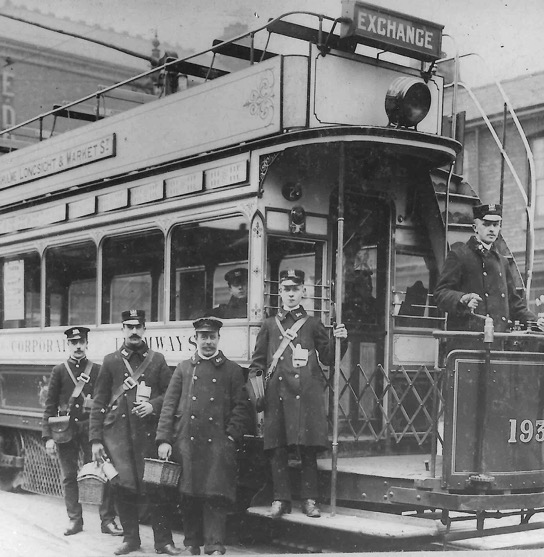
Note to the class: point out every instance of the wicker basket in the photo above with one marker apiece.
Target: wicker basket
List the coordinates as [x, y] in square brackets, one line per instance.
[161, 472]
[91, 482]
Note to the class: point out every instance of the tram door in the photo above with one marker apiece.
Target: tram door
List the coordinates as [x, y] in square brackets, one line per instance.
[366, 257]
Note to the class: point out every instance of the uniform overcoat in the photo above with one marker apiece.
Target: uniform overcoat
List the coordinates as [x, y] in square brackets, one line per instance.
[295, 412]
[127, 438]
[206, 402]
[235, 308]
[60, 390]
[472, 268]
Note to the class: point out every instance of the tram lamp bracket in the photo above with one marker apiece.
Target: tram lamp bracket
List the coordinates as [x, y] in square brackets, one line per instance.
[297, 220]
[407, 102]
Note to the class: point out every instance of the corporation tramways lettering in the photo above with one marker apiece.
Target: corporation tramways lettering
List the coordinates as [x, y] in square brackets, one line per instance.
[165, 343]
[35, 346]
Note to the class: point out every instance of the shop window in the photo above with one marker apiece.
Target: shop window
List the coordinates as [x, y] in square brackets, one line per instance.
[70, 293]
[305, 255]
[202, 254]
[21, 291]
[133, 275]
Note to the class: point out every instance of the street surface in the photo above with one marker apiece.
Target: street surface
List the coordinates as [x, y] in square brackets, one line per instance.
[32, 526]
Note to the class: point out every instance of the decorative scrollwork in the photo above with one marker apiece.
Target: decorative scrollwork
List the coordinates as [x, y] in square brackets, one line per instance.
[266, 163]
[261, 101]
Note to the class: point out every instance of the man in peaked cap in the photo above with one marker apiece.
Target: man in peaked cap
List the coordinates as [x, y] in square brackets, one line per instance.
[476, 279]
[236, 307]
[294, 400]
[69, 393]
[209, 393]
[123, 428]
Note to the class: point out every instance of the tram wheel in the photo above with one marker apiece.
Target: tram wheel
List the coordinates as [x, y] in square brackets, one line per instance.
[11, 444]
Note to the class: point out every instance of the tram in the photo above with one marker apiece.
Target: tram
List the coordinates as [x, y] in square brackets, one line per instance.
[332, 159]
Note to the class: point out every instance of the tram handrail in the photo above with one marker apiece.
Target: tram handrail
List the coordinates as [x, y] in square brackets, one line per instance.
[521, 335]
[212, 49]
[530, 202]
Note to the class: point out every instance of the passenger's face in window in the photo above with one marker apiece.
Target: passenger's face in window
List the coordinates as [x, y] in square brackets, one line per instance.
[207, 342]
[134, 334]
[77, 347]
[291, 294]
[238, 290]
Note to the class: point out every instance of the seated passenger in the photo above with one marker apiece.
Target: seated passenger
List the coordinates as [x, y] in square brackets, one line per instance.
[237, 305]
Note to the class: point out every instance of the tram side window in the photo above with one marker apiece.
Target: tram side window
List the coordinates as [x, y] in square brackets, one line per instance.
[202, 255]
[133, 275]
[415, 277]
[306, 255]
[70, 291]
[21, 291]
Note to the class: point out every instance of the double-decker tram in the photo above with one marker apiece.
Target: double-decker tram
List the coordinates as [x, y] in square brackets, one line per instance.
[332, 160]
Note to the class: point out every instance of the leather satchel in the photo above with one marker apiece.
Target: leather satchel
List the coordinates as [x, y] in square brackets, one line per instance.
[61, 428]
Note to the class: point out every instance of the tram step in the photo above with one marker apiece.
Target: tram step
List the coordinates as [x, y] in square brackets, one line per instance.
[367, 523]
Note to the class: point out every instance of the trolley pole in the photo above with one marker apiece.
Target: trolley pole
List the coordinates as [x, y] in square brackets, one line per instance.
[338, 302]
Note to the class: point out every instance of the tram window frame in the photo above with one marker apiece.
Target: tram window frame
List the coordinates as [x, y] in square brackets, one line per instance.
[64, 264]
[212, 266]
[149, 262]
[406, 310]
[31, 298]
[313, 291]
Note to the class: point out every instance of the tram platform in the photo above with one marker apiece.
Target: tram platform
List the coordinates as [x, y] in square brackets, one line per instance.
[379, 524]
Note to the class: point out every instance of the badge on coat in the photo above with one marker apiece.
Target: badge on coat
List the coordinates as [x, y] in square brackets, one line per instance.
[300, 356]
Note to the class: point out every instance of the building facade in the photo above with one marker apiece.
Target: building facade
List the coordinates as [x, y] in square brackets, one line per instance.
[485, 170]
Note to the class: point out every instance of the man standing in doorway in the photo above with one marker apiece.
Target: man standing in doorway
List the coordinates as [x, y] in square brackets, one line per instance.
[124, 426]
[69, 394]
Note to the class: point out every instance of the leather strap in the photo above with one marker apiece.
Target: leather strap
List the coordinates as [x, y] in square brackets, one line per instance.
[132, 380]
[288, 336]
[79, 383]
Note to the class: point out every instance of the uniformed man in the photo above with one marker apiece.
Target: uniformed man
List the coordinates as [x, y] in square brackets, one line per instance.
[206, 412]
[476, 279]
[123, 426]
[286, 351]
[76, 376]
[236, 307]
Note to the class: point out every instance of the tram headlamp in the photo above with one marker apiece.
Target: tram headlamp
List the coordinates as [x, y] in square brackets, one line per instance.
[407, 102]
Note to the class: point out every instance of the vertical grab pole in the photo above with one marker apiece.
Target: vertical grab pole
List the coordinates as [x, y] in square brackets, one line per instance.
[338, 302]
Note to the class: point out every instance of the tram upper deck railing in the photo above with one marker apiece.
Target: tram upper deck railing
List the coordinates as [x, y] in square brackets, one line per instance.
[92, 107]
[324, 39]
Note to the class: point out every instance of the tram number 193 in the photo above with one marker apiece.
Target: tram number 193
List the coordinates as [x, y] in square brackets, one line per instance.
[526, 431]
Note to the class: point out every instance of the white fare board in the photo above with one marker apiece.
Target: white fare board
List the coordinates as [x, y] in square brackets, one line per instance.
[14, 290]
